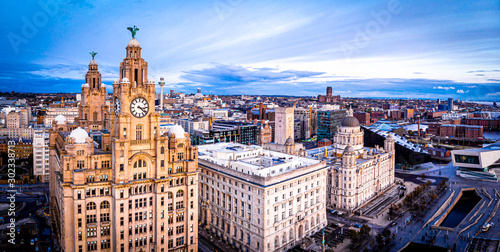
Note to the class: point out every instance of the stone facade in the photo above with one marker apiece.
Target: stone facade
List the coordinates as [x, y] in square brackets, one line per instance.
[260, 200]
[358, 174]
[69, 112]
[13, 120]
[284, 125]
[140, 195]
[93, 111]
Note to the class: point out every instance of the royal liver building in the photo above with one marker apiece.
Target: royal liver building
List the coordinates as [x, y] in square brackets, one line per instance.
[360, 173]
[126, 187]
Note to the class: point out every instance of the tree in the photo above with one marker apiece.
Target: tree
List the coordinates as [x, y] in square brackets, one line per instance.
[364, 230]
[380, 240]
[354, 236]
[393, 209]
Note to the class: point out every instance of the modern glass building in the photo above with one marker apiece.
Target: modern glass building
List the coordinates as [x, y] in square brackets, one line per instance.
[328, 122]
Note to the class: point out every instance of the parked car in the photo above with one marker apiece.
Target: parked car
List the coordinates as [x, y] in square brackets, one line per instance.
[486, 227]
[393, 224]
[357, 225]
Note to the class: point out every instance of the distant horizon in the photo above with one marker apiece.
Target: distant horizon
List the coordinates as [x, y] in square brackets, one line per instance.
[295, 96]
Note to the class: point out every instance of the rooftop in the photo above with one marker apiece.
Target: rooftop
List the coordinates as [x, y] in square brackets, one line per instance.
[252, 159]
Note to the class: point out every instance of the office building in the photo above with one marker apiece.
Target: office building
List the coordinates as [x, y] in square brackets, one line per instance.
[360, 173]
[328, 122]
[260, 200]
[41, 154]
[284, 125]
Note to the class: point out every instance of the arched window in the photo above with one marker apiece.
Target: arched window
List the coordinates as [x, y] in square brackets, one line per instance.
[94, 116]
[180, 193]
[139, 163]
[105, 204]
[284, 238]
[138, 132]
[291, 234]
[80, 152]
[170, 195]
[276, 242]
[91, 206]
[162, 150]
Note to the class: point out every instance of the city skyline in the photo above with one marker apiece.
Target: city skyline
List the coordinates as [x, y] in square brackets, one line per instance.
[384, 49]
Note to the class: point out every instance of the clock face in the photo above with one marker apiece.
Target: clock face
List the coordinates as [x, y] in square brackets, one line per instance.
[118, 106]
[139, 107]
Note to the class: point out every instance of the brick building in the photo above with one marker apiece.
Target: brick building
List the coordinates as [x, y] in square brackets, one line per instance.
[466, 131]
[488, 124]
[363, 118]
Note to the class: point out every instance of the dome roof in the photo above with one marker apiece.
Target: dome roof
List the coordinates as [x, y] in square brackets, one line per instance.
[80, 135]
[350, 121]
[133, 43]
[177, 131]
[93, 62]
[348, 149]
[125, 80]
[85, 85]
[289, 141]
[60, 119]
[389, 136]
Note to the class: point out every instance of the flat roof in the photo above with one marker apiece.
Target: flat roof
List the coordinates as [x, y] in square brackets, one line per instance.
[252, 159]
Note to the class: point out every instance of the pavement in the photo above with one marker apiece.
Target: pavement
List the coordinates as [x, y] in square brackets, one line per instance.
[416, 232]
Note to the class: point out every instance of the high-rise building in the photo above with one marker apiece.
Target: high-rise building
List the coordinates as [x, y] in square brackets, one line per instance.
[261, 200]
[450, 104]
[328, 122]
[304, 116]
[41, 154]
[138, 195]
[284, 125]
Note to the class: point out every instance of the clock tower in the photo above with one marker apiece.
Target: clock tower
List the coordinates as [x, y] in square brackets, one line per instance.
[165, 165]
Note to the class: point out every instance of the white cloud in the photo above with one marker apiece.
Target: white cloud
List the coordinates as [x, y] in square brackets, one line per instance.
[445, 88]
[460, 91]
[471, 86]
[494, 94]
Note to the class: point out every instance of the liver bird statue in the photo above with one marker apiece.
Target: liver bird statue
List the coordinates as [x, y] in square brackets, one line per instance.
[93, 54]
[133, 30]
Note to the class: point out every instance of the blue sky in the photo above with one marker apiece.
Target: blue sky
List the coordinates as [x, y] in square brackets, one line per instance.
[396, 48]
